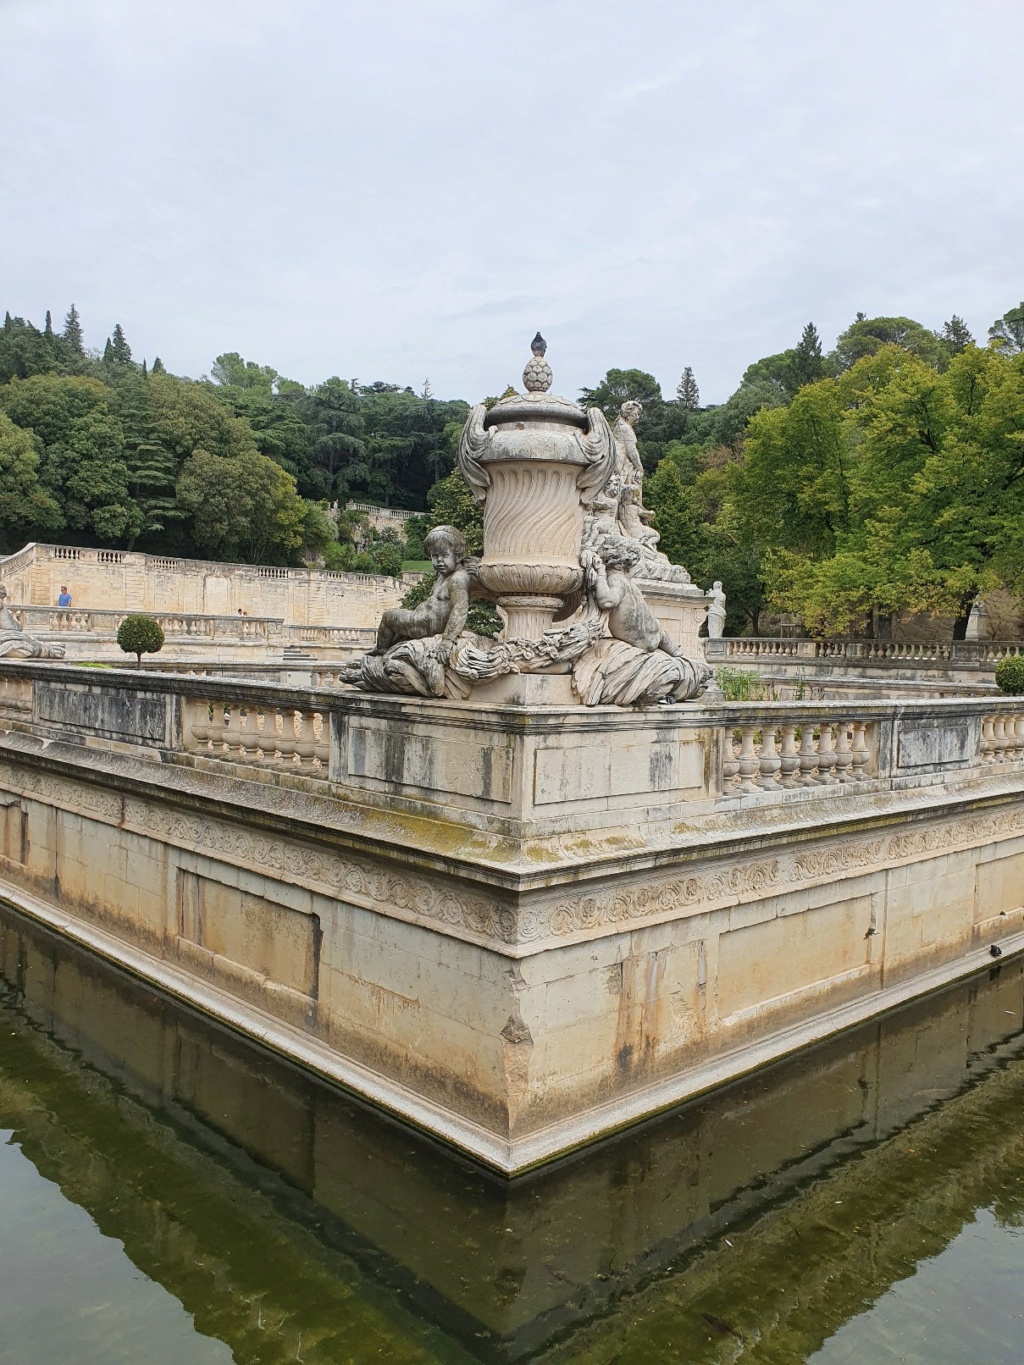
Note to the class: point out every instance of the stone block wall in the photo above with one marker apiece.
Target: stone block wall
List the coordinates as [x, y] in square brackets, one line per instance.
[124, 581]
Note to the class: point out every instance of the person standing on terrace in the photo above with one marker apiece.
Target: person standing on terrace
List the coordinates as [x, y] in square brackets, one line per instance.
[63, 597]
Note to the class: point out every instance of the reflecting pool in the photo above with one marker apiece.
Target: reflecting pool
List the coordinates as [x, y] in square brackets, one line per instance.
[171, 1193]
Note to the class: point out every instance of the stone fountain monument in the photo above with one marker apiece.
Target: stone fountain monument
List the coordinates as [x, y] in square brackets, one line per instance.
[569, 560]
[499, 886]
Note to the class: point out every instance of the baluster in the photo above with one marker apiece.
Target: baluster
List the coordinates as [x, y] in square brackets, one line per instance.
[288, 743]
[730, 763]
[987, 746]
[244, 733]
[1000, 740]
[277, 738]
[202, 726]
[826, 753]
[748, 761]
[305, 748]
[231, 739]
[259, 734]
[789, 757]
[844, 754]
[808, 756]
[860, 751]
[321, 741]
[770, 760]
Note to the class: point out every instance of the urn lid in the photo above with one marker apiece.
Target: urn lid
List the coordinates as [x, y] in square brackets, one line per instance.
[536, 404]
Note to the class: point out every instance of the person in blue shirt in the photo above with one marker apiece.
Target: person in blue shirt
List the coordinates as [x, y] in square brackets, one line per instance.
[64, 597]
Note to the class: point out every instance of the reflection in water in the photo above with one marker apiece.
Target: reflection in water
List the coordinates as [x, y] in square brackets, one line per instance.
[776, 1219]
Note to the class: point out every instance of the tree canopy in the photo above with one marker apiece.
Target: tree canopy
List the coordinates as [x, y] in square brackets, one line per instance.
[844, 486]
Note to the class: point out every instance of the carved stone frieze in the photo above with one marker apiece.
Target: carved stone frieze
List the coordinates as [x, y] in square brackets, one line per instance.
[487, 916]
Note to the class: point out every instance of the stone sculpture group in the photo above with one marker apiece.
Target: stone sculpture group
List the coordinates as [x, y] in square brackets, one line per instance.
[16, 643]
[567, 546]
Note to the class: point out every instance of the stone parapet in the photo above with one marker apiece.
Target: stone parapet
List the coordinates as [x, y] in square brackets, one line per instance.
[519, 927]
[957, 655]
[126, 581]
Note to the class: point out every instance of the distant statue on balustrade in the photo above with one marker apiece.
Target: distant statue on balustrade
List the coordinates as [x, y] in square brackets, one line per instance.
[716, 611]
[16, 643]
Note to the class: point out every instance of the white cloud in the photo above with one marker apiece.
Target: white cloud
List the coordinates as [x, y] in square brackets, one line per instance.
[413, 187]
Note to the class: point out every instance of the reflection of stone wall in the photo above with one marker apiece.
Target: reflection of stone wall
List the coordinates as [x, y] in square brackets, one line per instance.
[606, 1221]
[123, 581]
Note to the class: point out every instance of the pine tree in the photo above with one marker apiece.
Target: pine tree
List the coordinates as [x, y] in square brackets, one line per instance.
[687, 392]
[72, 333]
[807, 364]
[108, 353]
[120, 351]
[158, 367]
[152, 467]
[956, 335]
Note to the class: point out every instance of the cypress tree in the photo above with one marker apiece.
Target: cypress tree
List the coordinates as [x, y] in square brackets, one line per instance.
[108, 353]
[807, 364]
[120, 351]
[158, 367]
[72, 333]
[687, 393]
[48, 327]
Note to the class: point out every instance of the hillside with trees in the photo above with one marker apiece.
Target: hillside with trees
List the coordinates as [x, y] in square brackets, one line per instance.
[884, 475]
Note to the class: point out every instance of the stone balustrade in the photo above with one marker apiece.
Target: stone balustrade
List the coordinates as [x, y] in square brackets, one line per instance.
[1002, 737]
[957, 653]
[280, 736]
[334, 635]
[761, 756]
[701, 757]
[46, 621]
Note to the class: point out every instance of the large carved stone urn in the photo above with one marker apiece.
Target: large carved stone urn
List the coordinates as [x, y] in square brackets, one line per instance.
[536, 462]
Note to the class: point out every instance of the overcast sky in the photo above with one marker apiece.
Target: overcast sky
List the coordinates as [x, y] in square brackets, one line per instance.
[403, 189]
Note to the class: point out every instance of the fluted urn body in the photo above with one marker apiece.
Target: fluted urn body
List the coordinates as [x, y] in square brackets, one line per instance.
[535, 461]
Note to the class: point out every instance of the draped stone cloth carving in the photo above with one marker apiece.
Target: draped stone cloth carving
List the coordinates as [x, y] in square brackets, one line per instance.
[416, 668]
[614, 673]
[605, 672]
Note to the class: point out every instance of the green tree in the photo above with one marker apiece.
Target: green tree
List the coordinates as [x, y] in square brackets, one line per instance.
[72, 333]
[117, 350]
[140, 635]
[620, 385]
[243, 508]
[867, 336]
[956, 335]
[83, 464]
[27, 510]
[452, 504]
[808, 363]
[1007, 333]
[687, 393]
[152, 465]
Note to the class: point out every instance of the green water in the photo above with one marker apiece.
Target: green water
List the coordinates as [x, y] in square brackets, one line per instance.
[170, 1193]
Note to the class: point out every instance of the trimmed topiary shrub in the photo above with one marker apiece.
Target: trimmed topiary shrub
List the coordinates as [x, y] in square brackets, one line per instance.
[140, 635]
[1010, 674]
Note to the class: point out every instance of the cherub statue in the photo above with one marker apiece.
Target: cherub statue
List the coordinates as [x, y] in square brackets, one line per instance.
[613, 590]
[445, 611]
